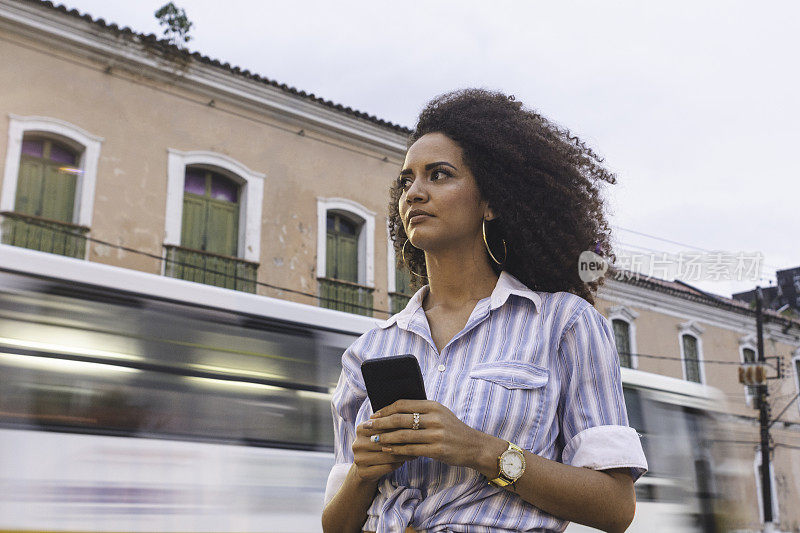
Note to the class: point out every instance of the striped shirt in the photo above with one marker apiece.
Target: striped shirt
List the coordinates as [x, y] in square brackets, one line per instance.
[538, 369]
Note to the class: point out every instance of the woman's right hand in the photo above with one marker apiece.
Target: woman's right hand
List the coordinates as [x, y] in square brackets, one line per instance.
[370, 462]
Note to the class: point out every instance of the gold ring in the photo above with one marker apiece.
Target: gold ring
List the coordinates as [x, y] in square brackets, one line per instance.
[416, 421]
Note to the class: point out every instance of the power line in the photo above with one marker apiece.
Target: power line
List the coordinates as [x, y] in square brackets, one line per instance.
[57, 229]
[678, 243]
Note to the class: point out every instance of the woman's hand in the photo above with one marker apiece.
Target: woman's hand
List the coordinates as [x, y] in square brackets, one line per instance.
[441, 435]
[371, 463]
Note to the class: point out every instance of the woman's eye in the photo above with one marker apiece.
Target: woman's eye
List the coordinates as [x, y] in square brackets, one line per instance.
[440, 173]
[402, 182]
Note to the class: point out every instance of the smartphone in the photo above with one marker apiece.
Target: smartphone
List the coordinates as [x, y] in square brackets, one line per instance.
[388, 379]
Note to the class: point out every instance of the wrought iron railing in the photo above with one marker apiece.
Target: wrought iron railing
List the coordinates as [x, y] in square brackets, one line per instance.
[43, 234]
[345, 296]
[398, 301]
[211, 269]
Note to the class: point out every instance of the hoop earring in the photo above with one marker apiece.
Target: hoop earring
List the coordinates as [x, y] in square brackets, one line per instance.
[403, 255]
[505, 250]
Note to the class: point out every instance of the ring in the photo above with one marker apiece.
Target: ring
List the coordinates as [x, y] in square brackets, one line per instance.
[416, 421]
[375, 438]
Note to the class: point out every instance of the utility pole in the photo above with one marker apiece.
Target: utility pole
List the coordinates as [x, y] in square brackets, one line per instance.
[763, 405]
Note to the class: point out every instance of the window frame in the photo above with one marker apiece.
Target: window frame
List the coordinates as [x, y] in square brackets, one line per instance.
[251, 197]
[626, 314]
[87, 146]
[695, 330]
[366, 236]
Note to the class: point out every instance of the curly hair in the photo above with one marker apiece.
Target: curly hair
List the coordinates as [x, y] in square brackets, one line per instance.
[541, 182]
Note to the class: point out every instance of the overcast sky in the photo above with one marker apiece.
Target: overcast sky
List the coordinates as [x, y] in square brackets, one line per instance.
[695, 105]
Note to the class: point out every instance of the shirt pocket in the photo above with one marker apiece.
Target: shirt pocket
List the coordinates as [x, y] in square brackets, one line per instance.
[505, 399]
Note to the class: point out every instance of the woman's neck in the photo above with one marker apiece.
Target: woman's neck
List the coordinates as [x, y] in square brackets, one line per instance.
[457, 278]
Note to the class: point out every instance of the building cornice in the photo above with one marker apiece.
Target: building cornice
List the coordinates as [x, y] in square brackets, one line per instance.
[629, 294]
[125, 50]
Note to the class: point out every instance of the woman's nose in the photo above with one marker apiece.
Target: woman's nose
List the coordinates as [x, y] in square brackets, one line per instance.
[416, 191]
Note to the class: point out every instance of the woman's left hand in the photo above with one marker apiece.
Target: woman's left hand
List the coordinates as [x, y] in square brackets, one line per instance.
[441, 435]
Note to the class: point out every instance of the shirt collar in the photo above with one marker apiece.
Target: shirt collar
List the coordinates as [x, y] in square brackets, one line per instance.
[506, 285]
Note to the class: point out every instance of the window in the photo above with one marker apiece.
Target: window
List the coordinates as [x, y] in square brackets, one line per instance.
[400, 290]
[47, 195]
[210, 212]
[232, 177]
[691, 361]
[213, 220]
[341, 249]
[623, 323]
[47, 179]
[691, 349]
[623, 341]
[345, 250]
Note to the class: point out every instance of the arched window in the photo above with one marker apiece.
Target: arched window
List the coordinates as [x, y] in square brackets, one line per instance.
[47, 180]
[213, 220]
[345, 266]
[622, 338]
[623, 322]
[691, 359]
[341, 249]
[210, 212]
[691, 348]
[47, 194]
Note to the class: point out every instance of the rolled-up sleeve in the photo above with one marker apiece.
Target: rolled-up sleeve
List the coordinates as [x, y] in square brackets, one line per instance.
[347, 400]
[592, 418]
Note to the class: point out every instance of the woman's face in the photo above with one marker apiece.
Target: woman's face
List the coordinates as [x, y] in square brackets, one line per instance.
[436, 180]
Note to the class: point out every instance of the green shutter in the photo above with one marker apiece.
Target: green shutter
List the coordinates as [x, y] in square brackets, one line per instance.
[330, 255]
[347, 258]
[58, 199]
[194, 222]
[222, 228]
[402, 278]
[692, 362]
[29, 187]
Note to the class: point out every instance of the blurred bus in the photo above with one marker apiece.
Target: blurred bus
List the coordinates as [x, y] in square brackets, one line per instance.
[136, 402]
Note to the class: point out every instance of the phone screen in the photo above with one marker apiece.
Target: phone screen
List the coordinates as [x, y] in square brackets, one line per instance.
[392, 378]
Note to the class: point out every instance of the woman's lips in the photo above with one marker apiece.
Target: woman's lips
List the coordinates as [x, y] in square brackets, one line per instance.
[417, 218]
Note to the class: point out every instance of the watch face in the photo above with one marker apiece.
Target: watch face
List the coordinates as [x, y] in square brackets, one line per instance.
[512, 463]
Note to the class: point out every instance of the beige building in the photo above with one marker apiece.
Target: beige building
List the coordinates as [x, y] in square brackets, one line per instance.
[124, 150]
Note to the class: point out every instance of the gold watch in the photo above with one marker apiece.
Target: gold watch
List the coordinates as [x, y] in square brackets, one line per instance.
[511, 464]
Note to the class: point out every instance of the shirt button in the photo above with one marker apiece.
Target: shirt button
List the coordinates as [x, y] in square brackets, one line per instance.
[440, 368]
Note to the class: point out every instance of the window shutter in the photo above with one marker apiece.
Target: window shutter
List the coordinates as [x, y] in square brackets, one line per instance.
[58, 199]
[691, 359]
[402, 278]
[29, 187]
[194, 222]
[330, 255]
[347, 258]
[222, 228]
[622, 338]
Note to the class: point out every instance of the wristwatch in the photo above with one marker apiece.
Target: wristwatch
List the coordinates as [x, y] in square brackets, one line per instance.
[512, 465]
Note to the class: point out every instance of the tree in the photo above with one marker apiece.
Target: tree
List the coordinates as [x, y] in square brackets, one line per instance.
[176, 22]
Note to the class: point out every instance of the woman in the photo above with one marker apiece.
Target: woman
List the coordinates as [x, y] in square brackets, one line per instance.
[525, 427]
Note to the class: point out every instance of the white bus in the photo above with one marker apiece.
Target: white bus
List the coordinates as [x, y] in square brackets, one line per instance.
[136, 402]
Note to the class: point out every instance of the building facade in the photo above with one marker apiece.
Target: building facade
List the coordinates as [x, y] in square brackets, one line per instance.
[124, 150]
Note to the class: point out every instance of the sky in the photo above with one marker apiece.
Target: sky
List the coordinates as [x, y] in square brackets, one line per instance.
[694, 105]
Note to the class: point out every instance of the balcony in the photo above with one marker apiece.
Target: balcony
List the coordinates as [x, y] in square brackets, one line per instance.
[43, 234]
[211, 269]
[345, 296]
